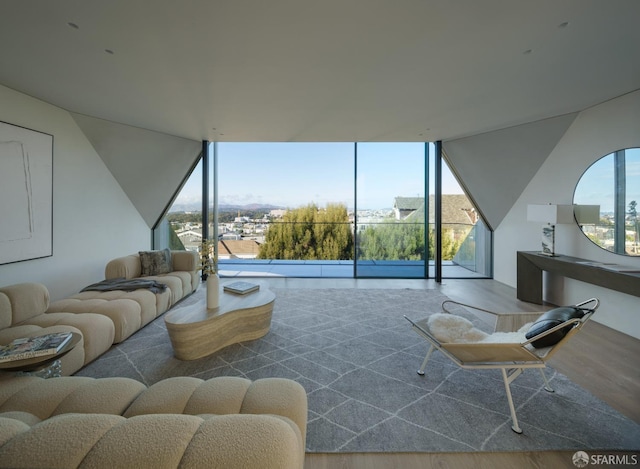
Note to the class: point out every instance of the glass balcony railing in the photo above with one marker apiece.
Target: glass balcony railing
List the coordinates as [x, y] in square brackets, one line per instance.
[379, 249]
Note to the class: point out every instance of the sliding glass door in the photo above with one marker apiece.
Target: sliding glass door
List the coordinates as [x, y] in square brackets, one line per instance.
[391, 239]
[286, 208]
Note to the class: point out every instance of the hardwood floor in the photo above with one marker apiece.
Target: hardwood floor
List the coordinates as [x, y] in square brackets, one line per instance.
[541, 460]
[600, 359]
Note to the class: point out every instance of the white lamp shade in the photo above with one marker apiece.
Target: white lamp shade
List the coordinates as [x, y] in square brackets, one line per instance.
[550, 213]
[587, 214]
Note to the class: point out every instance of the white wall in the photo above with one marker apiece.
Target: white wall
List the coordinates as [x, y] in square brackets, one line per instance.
[93, 220]
[595, 132]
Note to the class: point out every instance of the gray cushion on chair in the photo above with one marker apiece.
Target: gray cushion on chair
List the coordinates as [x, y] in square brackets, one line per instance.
[549, 320]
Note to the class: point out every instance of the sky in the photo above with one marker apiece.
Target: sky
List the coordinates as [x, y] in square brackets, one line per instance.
[295, 174]
[597, 184]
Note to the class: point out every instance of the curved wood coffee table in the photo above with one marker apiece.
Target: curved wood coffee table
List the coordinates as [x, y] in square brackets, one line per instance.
[196, 332]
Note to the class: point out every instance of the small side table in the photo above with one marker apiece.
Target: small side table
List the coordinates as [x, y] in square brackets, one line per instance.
[47, 366]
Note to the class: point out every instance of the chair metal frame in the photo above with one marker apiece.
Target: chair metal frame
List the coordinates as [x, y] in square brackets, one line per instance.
[510, 358]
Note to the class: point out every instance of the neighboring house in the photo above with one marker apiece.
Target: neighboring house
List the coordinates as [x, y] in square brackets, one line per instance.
[230, 246]
[405, 206]
[191, 239]
[238, 249]
[277, 213]
[457, 209]
[190, 235]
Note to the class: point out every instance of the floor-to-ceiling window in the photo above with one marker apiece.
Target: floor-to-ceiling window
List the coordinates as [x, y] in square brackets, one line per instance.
[391, 210]
[466, 239]
[285, 208]
[181, 227]
[328, 210]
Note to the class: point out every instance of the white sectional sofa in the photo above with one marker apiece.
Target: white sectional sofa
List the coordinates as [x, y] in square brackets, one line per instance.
[225, 422]
[22, 314]
[132, 308]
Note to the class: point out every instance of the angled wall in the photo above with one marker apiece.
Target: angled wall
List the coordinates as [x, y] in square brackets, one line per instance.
[93, 219]
[495, 167]
[149, 166]
[594, 133]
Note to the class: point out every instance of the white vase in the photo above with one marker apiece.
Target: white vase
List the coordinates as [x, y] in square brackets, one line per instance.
[213, 291]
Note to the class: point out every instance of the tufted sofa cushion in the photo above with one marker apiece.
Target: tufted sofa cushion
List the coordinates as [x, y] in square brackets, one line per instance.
[97, 331]
[22, 308]
[185, 269]
[129, 311]
[46, 398]
[225, 422]
[6, 316]
[22, 301]
[153, 441]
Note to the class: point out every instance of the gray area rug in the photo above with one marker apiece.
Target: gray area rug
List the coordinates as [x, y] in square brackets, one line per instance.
[357, 357]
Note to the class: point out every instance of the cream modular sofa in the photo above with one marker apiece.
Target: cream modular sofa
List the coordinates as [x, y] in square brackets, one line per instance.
[132, 310]
[22, 314]
[225, 422]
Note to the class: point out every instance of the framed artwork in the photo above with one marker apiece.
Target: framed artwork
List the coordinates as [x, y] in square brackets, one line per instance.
[26, 194]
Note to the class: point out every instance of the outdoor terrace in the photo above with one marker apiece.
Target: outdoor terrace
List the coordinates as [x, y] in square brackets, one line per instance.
[338, 269]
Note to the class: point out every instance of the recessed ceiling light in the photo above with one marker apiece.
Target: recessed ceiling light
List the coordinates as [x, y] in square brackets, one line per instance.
[73, 25]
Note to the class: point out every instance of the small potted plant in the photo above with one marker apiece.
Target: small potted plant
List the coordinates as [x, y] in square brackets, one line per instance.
[208, 258]
[209, 266]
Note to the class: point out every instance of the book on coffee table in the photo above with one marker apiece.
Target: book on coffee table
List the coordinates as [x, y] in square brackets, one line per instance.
[241, 288]
[30, 347]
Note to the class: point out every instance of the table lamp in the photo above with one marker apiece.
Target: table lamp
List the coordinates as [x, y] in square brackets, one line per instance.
[587, 214]
[550, 214]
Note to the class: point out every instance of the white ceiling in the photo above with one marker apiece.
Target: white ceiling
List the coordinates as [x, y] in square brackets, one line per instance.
[330, 70]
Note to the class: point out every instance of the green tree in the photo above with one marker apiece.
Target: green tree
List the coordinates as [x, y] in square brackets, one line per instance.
[633, 212]
[403, 241]
[184, 217]
[310, 233]
[175, 243]
[392, 241]
[633, 216]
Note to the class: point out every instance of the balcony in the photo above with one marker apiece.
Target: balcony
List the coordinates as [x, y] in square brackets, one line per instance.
[338, 269]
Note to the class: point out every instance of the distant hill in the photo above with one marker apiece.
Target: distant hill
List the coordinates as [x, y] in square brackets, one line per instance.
[227, 208]
[223, 207]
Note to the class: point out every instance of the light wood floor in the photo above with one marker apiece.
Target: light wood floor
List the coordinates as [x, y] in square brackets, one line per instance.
[600, 359]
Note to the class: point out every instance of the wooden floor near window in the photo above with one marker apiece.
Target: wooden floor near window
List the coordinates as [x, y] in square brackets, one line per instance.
[600, 359]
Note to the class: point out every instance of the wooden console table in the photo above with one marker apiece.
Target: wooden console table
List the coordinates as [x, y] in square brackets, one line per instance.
[530, 266]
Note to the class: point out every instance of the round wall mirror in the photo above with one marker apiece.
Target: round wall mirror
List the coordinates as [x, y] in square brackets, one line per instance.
[605, 202]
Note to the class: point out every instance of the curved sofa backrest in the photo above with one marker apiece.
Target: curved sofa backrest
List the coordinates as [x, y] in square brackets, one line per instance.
[123, 267]
[21, 302]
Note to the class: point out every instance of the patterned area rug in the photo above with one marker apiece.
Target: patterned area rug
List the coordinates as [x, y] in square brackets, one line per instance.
[357, 357]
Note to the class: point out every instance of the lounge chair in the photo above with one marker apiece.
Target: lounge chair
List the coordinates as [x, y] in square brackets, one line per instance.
[520, 340]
